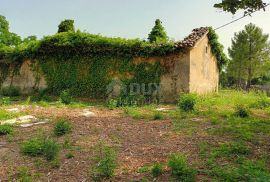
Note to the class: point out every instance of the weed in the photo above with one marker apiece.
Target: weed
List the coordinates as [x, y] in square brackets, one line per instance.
[144, 169]
[24, 175]
[187, 102]
[157, 170]
[62, 127]
[105, 163]
[6, 129]
[10, 91]
[40, 146]
[65, 97]
[180, 168]
[112, 104]
[55, 163]
[157, 116]
[242, 111]
[5, 101]
[69, 155]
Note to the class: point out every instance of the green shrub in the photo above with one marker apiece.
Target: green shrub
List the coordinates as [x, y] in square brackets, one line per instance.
[157, 170]
[24, 175]
[41, 95]
[65, 97]
[180, 168]
[6, 129]
[5, 101]
[112, 104]
[105, 163]
[10, 91]
[69, 156]
[41, 146]
[158, 116]
[187, 102]
[242, 111]
[62, 127]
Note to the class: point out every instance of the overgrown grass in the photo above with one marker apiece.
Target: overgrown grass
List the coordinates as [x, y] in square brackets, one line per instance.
[41, 146]
[6, 129]
[62, 126]
[5, 115]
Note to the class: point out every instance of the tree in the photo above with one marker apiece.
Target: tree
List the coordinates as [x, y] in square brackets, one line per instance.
[248, 6]
[7, 38]
[249, 56]
[158, 33]
[66, 26]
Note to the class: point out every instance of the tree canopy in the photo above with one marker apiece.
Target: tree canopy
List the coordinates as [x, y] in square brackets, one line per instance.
[66, 26]
[158, 33]
[249, 56]
[7, 38]
[248, 6]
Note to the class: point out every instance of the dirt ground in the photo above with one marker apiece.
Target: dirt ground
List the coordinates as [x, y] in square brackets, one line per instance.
[138, 143]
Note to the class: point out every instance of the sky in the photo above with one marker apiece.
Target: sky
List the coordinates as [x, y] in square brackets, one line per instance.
[125, 18]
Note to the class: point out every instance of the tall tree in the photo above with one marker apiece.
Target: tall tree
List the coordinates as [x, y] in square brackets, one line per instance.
[249, 55]
[248, 6]
[66, 26]
[7, 38]
[158, 33]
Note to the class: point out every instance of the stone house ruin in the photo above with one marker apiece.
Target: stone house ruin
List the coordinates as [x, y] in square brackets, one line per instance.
[193, 70]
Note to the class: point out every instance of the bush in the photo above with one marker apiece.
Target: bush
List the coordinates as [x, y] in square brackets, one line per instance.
[157, 170]
[112, 104]
[6, 129]
[62, 127]
[180, 168]
[158, 116]
[187, 102]
[242, 111]
[105, 163]
[65, 97]
[41, 95]
[10, 91]
[40, 146]
[5, 101]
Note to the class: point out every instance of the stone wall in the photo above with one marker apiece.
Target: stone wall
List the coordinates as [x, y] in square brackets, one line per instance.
[204, 72]
[193, 71]
[26, 80]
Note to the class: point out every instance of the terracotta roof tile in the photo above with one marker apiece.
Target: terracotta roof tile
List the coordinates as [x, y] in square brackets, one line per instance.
[192, 38]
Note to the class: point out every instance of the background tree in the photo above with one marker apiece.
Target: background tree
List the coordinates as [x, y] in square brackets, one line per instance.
[66, 26]
[249, 56]
[7, 38]
[158, 33]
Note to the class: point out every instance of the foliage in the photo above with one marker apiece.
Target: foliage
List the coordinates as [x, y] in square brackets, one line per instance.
[247, 5]
[187, 102]
[5, 101]
[157, 170]
[242, 111]
[66, 26]
[112, 104]
[180, 168]
[62, 127]
[105, 163]
[10, 91]
[40, 146]
[250, 56]
[158, 33]
[24, 175]
[158, 116]
[65, 97]
[6, 37]
[217, 49]
[6, 129]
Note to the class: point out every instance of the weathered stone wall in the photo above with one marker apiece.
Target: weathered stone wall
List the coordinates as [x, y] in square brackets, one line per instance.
[193, 71]
[176, 80]
[26, 80]
[204, 73]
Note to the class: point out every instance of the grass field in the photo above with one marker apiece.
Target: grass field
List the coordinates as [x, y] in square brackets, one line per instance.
[225, 138]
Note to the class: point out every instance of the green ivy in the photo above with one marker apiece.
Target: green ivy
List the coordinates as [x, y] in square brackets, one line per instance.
[217, 49]
[83, 62]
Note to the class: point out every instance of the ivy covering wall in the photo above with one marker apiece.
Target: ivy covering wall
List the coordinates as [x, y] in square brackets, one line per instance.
[85, 63]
